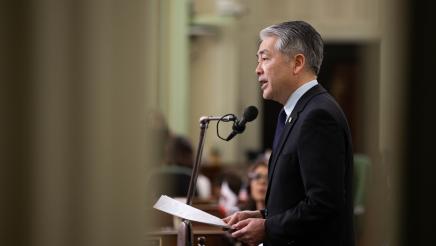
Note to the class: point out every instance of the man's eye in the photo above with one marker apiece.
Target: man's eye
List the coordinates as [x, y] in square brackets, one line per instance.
[261, 59]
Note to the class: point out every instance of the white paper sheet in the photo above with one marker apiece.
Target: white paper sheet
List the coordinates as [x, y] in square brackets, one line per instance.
[171, 206]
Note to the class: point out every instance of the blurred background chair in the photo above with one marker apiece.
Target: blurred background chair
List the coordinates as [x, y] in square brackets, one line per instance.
[361, 171]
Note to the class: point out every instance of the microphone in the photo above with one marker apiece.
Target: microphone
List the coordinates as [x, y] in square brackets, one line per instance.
[226, 118]
[250, 114]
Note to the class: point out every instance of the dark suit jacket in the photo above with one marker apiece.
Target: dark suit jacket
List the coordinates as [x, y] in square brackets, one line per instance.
[309, 200]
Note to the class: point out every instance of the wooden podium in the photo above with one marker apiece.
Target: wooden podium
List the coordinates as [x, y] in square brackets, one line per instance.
[187, 234]
[166, 230]
[209, 237]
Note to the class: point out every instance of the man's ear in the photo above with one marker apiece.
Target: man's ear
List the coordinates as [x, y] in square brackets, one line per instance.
[299, 62]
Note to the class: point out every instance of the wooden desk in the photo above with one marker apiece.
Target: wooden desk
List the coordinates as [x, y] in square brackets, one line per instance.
[164, 233]
[168, 237]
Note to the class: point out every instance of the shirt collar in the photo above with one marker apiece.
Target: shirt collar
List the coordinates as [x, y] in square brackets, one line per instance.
[296, 95]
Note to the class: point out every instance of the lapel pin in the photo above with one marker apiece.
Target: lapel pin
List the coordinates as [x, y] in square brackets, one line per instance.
[290, 119]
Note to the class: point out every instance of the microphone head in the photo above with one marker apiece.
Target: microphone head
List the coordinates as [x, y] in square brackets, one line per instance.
[250, 113]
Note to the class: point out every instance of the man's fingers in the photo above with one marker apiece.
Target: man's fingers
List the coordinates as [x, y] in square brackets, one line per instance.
[226, 219]
[249, 231]
[236, 217]
[239, 233]
[233, 220]
[241, 224]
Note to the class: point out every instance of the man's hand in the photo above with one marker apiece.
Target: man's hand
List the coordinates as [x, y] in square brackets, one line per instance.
[250, 231]
[248, 226]
[241, 215]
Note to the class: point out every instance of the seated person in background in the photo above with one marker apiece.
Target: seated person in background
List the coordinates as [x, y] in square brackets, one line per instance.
[229, 185]
[257, 185]
[173, 178]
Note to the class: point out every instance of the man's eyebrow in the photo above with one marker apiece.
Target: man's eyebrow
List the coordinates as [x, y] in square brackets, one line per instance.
[265, 51]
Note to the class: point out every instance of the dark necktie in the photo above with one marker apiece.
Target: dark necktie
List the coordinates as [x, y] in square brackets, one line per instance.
[281, 120]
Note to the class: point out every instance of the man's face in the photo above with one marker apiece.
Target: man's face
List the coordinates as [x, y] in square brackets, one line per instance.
[274, 71]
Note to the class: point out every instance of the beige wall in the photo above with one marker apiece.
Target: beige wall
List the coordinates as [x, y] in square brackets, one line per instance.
[214, 73]
[89, 141]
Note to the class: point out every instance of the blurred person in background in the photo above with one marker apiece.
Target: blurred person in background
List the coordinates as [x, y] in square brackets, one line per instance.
[172, 178]
[257, 185]
[229, 184]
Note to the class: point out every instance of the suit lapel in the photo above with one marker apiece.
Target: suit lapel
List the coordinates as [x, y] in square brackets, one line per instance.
[318, 89]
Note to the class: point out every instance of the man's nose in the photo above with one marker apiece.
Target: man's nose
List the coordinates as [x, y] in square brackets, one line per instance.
[259, 70]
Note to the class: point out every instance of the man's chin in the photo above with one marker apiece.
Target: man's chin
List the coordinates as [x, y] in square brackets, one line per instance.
[266, 96]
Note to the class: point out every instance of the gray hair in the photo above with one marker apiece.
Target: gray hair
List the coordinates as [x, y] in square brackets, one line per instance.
[297, 37]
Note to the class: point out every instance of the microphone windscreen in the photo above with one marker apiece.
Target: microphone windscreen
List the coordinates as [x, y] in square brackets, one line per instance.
[250, 113]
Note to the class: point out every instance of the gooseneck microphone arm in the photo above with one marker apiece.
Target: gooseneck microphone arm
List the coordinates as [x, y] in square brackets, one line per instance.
[185, 233]
[204, 122]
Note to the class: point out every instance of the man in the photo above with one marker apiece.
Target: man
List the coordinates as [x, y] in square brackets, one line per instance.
[308, 200]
